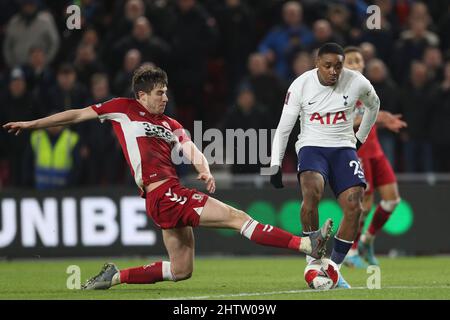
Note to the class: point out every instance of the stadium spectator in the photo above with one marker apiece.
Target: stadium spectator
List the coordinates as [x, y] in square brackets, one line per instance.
[387, 91]
[323, 33]
[126, 18]
[383, 39]
[17, 103]
[281, 43]
[67, 91]
[142, 38]
[432, 58]
[440, 130]
[51, 160]
[412, 43]
[190, 54]
[246, 114]
[105, 164]
[122, 80]
[415, 106]
[236, 24]
[338, 16]
[368, 51]
[266, 85]
[38, 73]
[86, 63]
[30, 27]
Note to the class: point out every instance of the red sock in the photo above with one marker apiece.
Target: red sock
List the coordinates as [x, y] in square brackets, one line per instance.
[379, 219]
[268, 235]
[358, 235]
[144, 274]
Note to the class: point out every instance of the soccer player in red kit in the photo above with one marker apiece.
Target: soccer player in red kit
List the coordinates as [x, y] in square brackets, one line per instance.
[148, 138]
[378, 173]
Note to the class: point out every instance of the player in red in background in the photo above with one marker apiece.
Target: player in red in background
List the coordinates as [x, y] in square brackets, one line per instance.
[379, 176]
[147, 138]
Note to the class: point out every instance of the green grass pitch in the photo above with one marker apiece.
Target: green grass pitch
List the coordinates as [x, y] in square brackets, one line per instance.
[225, 278]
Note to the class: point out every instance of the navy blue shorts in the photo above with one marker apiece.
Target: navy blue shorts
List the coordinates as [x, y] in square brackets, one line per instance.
[339, 166]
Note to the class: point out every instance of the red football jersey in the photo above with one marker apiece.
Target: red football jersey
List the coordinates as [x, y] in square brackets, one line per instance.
[147, 139]
[371, 148]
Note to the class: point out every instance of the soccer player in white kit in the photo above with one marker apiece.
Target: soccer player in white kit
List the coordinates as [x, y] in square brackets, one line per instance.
[324, 99]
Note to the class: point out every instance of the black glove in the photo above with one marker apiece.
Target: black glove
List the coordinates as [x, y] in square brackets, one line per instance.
[358, 144]
[277, 179]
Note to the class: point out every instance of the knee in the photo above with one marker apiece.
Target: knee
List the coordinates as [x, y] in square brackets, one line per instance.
[239, 217]
[311, 198]
[354, 211]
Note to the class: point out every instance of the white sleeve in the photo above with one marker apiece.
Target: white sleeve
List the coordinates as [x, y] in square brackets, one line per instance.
[371, 105]
[289, 116]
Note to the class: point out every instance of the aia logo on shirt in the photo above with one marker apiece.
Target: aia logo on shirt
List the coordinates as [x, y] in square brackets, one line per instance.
[328, 118]
[153, 130]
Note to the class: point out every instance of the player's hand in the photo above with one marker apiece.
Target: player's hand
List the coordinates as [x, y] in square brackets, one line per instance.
[209, 180]
[17, 127]
[277, 179]
[358, 144]
[394, 123]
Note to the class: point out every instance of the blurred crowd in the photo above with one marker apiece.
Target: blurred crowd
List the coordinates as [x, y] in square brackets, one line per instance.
[229, 64]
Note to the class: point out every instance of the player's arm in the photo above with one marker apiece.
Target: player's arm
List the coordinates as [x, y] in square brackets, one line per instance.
[288, 118]
[198, 159]
[371, 107]
[57, 119]
[392, 122]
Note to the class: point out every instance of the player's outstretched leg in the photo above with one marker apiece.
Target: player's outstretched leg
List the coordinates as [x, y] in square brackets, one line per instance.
[217, 214]
[179, 243]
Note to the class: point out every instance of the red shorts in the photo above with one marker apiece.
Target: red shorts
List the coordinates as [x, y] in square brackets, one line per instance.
[378, 172]
[173, 206]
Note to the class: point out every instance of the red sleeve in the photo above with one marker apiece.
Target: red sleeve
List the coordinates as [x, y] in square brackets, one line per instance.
[179, 131]
[111, 106]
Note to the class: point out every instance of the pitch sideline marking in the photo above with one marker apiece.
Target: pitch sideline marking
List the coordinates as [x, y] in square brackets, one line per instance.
[249, 294]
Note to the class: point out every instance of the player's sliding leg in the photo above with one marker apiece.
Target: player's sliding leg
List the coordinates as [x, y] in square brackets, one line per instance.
[180, 247]
[351, 203]
[217, 214]
[353, 259]
[390, 199]
[312, 186]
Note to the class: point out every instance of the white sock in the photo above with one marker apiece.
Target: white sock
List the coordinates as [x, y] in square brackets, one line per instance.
[305, 245]
[116, 279]
[309, 259]
[167, 271]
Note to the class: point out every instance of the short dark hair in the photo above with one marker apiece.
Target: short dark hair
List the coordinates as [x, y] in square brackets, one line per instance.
[330, 47]
[147, 77]
[351, 49]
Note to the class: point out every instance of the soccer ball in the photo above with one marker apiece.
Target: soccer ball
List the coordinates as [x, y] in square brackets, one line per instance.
[321, 274]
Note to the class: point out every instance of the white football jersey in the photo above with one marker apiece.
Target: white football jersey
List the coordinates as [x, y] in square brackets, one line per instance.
[325, 112]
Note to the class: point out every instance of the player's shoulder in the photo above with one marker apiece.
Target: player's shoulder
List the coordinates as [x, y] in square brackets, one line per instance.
[171, 122]
[353, 75]
[354, 78]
